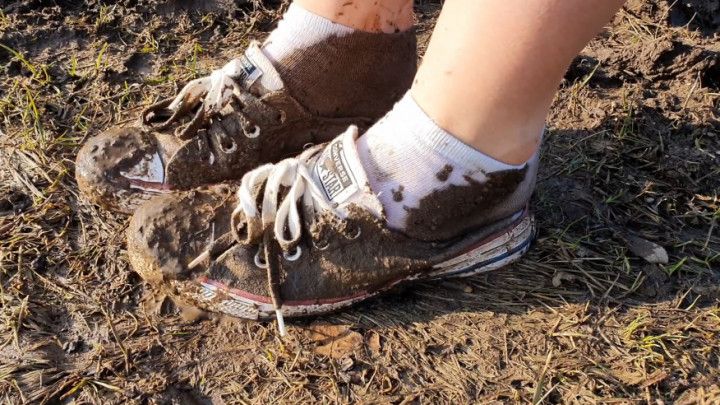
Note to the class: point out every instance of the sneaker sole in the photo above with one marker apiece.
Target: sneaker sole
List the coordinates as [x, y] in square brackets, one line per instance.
[494, 252]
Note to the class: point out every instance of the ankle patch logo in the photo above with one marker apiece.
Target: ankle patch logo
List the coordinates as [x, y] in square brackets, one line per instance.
[333, 172]
[249, 71]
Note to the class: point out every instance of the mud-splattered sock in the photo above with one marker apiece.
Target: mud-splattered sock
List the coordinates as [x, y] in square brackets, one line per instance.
[300, 29]
[337, 71]
[420, 171]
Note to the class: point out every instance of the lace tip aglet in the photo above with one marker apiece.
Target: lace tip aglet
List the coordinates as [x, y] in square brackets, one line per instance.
[203, 256]
[280, 322]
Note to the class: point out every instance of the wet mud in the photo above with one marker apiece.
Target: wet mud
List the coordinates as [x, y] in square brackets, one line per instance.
[451, 211]
[388, 67]
[444, 174]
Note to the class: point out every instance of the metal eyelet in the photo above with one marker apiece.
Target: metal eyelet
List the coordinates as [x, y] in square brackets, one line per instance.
[321, 245]
[260, 262]
[294, 256]
[254, 134]
[222, 147]
[308, 145]
[356, 235]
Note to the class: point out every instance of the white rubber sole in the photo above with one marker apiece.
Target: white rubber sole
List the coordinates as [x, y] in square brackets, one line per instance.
[491, 254]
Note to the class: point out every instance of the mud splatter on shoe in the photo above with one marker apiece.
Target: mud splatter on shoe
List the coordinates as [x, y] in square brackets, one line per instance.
[302, 237]
[243, 115]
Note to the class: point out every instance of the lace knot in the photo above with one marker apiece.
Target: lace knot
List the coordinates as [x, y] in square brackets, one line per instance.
[206, 96]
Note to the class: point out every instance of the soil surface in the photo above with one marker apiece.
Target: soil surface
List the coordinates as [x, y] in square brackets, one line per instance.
[617, 301]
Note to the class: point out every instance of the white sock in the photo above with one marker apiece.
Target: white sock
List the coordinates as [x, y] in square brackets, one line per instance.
[300, 29]
[407, 156]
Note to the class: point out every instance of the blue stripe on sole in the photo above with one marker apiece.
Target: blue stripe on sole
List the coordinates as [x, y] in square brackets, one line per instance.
[476, 266]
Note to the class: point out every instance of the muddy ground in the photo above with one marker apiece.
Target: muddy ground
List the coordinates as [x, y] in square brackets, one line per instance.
[631, 163]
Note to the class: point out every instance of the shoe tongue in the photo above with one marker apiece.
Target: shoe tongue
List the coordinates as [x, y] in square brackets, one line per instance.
[340, 174]
[258, 74]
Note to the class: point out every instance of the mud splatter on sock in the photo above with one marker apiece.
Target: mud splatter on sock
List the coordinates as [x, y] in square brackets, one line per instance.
[431, 184]
[337, 71]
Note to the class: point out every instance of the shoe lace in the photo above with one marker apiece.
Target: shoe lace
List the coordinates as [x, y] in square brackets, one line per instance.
[275, 221]
[211, 93]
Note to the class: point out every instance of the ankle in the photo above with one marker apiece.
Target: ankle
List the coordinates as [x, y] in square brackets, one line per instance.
[509, 135]
[513, 146]
[388, 16]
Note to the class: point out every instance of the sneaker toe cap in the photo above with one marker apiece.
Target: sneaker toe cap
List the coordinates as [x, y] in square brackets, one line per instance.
[102, 161]
[171, 230]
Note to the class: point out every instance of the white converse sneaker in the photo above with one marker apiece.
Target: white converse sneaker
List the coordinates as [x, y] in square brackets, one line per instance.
[302, 237]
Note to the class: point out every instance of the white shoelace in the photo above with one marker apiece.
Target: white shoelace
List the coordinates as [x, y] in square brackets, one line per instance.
[294, 174]
[288, 173]
[216, 89]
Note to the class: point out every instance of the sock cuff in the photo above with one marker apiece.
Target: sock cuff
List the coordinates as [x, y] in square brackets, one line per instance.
[299, 29]
[302, 20]
[429, 135]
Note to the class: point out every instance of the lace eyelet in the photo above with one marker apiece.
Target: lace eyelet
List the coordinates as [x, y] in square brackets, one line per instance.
[227, 150]
[321, 245]
[355, 235]
[254, 134]
[259, 262]
[294, 256]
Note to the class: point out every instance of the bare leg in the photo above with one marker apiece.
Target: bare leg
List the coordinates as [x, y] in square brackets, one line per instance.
[493, 66]
[372, 16]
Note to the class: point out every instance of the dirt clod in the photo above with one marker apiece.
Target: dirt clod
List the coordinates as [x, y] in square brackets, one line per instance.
[444, 174]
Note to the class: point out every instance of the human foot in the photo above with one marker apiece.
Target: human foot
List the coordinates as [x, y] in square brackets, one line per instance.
[432, 185]
[306, 236]
[256, 109]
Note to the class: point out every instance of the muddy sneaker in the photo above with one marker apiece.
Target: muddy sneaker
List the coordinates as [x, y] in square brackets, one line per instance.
[302, 237]
[219, 127]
